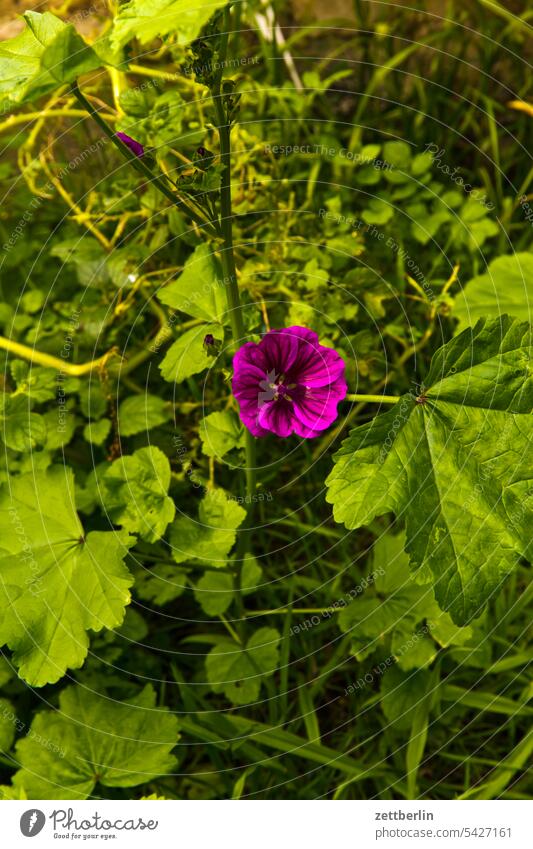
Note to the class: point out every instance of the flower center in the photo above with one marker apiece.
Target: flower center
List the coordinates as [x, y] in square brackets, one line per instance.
[274, 388]
[281, 389]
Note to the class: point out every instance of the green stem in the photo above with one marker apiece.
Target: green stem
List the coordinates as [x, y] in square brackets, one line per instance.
[227, 252]
[223, 124]
[374, 399]
[138, 163]
[320, 611]
[230, 276]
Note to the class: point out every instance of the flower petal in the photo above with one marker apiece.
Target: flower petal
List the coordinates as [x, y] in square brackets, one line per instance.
[248, 380]
[304, 333]
[253, 426]
[135, 146]
[277, 417]
[320, 367]
[249, 355]
[318, 409]
[280, 351]
[303, 431]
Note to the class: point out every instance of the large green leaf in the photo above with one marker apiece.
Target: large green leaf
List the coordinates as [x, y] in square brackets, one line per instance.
[455, 462]
[210, 537]
[148, 19]
[55, 582]
[199, 290]
[93, 739]
[505, 288]
[47, 54]
[133, 492]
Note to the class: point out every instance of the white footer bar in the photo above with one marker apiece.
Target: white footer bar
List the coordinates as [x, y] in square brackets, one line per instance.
[268, 824]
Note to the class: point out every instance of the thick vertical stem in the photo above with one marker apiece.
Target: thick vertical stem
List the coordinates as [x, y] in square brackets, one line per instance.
[232, 288]
[223, 121]
[228, 258]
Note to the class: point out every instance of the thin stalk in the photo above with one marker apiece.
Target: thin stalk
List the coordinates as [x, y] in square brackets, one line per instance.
[167, 76]
[26, 117]
[49, 361]
[138, 163]
[320, 611]
[374, 399]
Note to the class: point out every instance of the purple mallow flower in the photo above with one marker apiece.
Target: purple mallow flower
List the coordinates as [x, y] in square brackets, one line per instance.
[288, 383]
[135, 146]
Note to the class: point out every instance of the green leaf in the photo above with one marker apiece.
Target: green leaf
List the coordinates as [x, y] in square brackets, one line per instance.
[403, 607]
[391, 610]
[397, 153]
[444, 631]
[21, 430]
[89, 258]
[45, 55]
[220, 433]
[133, 492]
[378, 212]
[60, 427]
[56, 583]
[161, 584]
[8, 722]
[238, 672]
[419, 735]
[505, 288]
[149, 19]
[39, 384]
[97, 432]
[188, 356]
[93, 401]
[199, 290]
[401, 693]
[214, 592]
[93, 739]
[140, 413]
[6, 671]
[7, 792]
[446, 466]
[421, 163]
[211, 537]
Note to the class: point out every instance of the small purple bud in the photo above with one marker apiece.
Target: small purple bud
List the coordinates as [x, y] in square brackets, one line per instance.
[211, 345]
[201, 151]
[135, 146]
